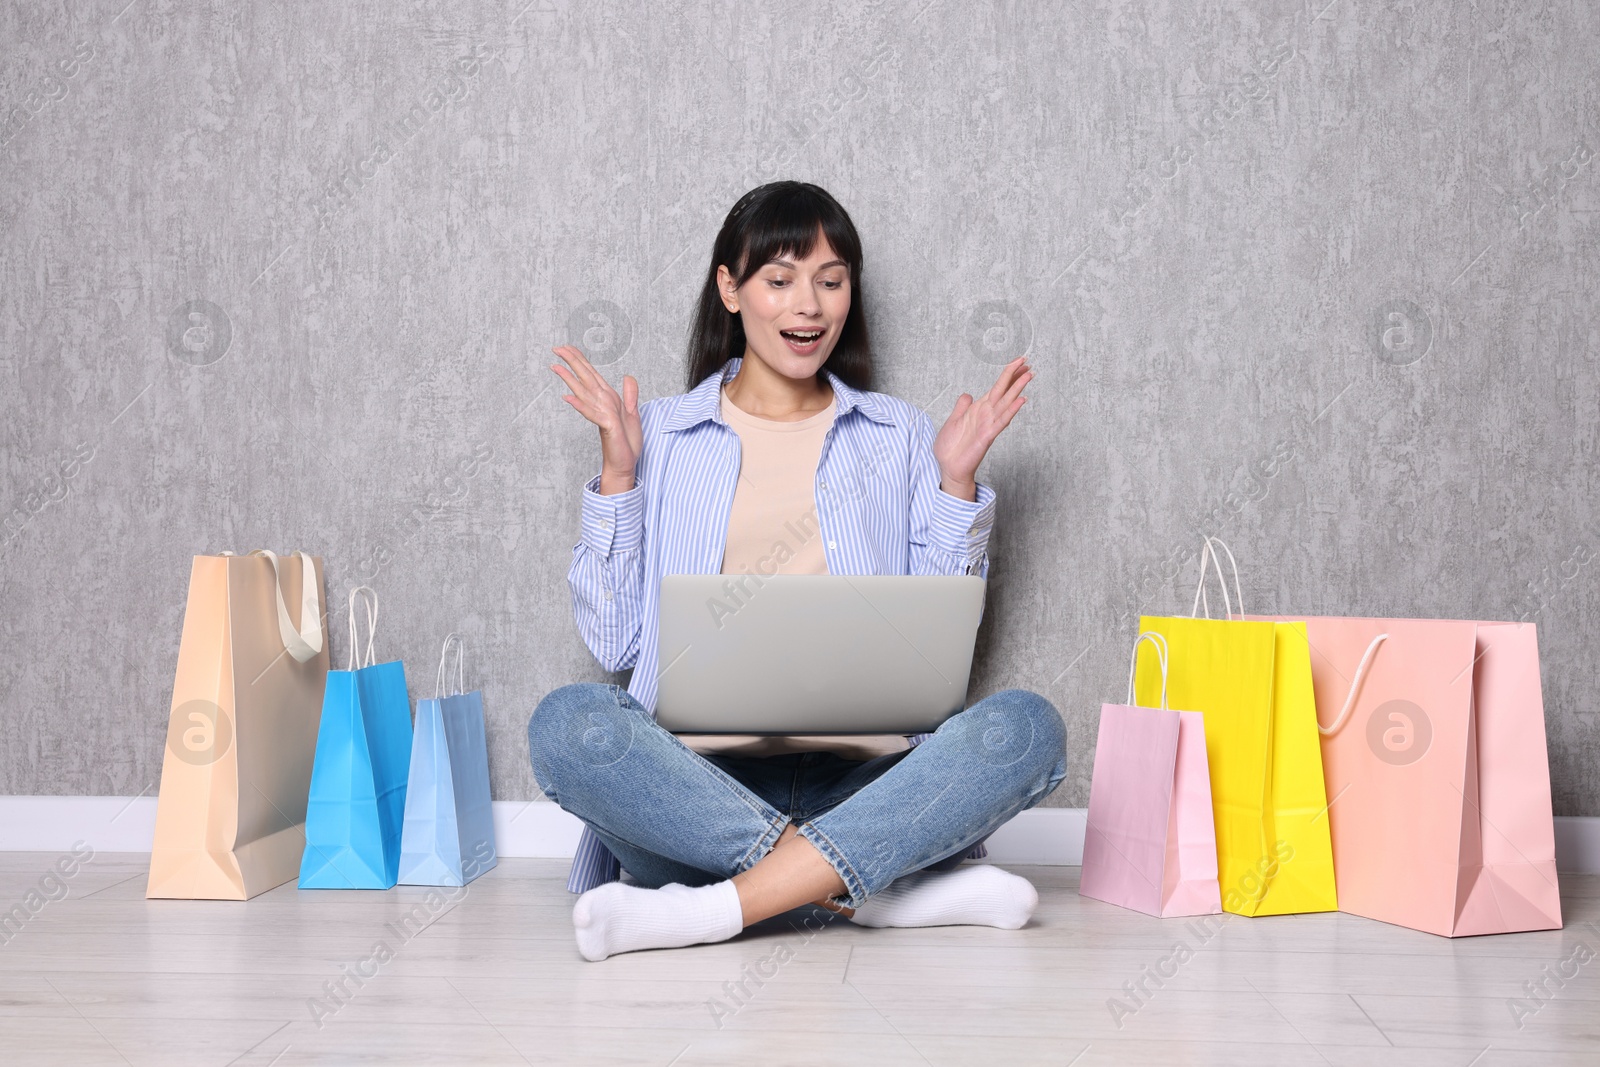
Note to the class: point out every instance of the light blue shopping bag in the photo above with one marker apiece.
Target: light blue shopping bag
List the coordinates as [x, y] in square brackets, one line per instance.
[448, 837]
[358, 776]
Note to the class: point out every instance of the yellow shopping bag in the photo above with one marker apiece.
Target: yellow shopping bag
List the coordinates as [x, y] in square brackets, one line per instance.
[1252, 681]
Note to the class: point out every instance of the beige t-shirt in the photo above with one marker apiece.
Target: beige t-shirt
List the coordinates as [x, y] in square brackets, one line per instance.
[773, 529]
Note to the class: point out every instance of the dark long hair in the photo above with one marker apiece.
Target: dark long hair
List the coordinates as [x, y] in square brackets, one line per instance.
[768, 221]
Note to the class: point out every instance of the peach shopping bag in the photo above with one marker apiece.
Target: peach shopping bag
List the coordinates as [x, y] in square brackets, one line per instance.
[230, 820]
[1150, 844]
[1438, 778]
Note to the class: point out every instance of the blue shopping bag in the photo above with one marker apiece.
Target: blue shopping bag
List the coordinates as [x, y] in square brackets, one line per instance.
[358, 776]
[448, 838]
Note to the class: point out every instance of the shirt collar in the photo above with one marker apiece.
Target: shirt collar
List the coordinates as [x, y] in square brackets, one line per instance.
[704, 401]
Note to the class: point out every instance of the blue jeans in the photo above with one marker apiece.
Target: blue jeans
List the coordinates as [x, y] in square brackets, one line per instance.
[670, 814]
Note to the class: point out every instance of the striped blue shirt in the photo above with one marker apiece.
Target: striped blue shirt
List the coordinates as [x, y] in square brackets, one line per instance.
[879, 508]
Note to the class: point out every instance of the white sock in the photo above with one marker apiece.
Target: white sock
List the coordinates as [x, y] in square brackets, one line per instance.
[965, 896]
[622, 918]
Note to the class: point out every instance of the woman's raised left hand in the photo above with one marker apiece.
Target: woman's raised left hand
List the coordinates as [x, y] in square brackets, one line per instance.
[973, 426]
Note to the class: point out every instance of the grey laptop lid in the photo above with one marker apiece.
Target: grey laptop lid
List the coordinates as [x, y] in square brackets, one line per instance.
[815, 653]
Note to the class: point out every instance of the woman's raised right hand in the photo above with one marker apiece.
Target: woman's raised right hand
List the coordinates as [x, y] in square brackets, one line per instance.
[621, 435]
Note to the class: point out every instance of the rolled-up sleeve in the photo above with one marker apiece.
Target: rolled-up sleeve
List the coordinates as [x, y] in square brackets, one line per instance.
[612, 523]
[607, 574]
[948, 535]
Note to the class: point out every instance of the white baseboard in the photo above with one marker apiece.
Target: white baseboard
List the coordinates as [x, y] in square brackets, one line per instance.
[1050, 836]
[55, 824]
[1578, 844]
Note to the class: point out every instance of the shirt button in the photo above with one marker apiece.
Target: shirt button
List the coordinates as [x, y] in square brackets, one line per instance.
[831, 544]
[824, 483]
[605, 522]
[608, 594]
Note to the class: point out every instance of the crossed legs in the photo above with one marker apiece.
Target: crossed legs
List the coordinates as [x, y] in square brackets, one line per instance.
[724, 858]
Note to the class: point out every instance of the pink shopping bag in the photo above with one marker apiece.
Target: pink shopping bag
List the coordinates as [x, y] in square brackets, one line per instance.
[1151, 843]
[1438, 779]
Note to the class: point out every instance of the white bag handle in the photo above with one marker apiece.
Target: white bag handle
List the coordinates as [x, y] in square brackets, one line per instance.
[451, 638]
[1161, 651]
[1355, 687]
[1205, 564]
[371, 599]
[307, 642]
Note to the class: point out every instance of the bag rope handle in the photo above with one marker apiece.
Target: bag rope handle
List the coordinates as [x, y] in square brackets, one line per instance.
[1160, 643]
[1200, 597]
[1355, 688]
[371, 599]
[450, 639]
[307, 641]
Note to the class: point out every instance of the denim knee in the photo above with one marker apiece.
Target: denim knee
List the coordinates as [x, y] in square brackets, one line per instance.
[1044, 763]
[583, 721]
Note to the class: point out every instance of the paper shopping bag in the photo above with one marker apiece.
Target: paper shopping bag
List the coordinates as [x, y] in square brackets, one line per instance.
[1252, 682]
[448, 834]
[230, 818]
[1438, 776]
[358, 782]
[1150, 844]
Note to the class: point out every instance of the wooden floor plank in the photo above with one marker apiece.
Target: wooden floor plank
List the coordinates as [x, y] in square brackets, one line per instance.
[489, 973]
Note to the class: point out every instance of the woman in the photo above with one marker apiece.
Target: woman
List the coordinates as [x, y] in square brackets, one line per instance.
[779, 459]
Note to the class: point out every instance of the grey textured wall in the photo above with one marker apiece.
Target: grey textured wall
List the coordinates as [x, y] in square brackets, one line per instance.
[1317, 277]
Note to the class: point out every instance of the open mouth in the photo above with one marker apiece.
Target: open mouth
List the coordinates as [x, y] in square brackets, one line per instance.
[802, 341]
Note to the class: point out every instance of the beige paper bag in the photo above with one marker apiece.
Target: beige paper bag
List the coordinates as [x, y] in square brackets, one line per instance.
[230, 820]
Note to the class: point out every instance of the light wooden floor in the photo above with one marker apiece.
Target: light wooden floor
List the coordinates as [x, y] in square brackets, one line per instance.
[103, 976]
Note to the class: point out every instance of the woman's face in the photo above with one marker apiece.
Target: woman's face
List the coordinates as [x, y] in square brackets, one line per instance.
[793, 309]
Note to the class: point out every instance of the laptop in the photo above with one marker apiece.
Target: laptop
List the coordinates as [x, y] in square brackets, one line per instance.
[815, 653]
